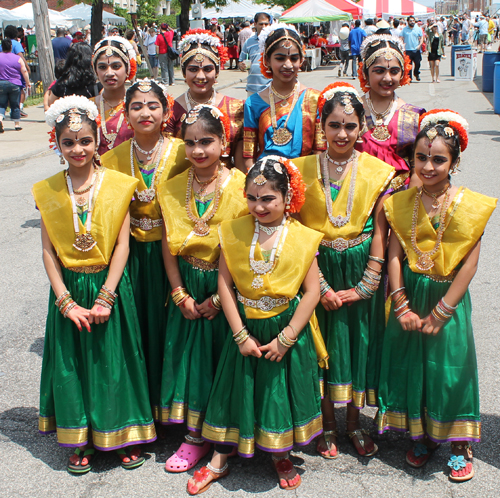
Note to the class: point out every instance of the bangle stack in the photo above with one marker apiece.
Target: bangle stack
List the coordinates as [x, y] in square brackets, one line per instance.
[106, 297]
[443, 312]
[377, 260]
[241, 336]
[400, 302]
[368, 285]
[284, 340]
[179, 295]
[65, 303]
[215, 302]
[324, 286]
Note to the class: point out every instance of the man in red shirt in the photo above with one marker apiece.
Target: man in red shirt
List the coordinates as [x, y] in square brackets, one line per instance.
[165, 38]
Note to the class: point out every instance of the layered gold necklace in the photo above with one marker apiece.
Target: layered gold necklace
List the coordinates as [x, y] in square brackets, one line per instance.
[201, 227]
[281, 136]
[381, 120]
[424, 261]
[110, 137]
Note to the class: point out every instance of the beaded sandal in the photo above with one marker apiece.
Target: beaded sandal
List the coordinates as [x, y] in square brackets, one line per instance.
[419, 455]
[188, 455]
[202, 475]
[283, 465]
[459, 463]
[360, 433]
[329, 445]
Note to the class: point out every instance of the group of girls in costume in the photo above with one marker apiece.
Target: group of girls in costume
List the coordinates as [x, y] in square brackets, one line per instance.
[246, 306]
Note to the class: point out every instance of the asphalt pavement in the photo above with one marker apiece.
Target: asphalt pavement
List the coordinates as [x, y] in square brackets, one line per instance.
[34, 465]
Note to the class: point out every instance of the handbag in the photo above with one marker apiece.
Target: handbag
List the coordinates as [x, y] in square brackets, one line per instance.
[172, 54]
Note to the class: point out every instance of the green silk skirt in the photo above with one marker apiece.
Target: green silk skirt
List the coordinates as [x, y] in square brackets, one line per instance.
[94, 385]
[150, 286]
[429, 384]
[353, 334]
[192, 351]
[258, 402]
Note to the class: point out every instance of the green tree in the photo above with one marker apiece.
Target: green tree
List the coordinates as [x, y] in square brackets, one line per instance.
[286, 4]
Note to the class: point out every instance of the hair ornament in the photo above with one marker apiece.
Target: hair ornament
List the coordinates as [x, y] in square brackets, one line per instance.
[448, 119]
[295, 197]
[208, 45]
[266, 32]
[74, 102]
[144, 85]
[375, 40]
[338, 87]
[431, 134]
[75, 120]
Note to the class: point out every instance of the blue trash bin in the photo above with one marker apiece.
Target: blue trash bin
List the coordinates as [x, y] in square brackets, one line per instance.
[496, 88]
[454, 49]
[489, 59]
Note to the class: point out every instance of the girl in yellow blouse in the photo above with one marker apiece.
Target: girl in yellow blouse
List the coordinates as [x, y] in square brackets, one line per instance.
[193, 203]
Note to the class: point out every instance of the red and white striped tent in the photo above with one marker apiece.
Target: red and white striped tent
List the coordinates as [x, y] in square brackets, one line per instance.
[344, 5]
[394, 8]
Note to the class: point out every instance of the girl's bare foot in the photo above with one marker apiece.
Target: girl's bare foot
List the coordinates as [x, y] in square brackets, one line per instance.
[287, 474]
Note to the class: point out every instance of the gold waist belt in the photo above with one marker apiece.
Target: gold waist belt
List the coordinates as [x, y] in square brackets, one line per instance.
[88, 269]
[146, 224]
[441, 278]
[265, 303]
[201, 264]
[340, 244]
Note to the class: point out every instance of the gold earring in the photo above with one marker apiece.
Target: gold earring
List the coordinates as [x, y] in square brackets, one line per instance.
[61, 160]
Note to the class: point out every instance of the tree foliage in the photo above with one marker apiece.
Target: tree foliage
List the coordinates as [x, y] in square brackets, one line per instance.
[286, 4]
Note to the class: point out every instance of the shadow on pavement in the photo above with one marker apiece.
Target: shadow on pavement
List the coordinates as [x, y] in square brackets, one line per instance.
[37, 347]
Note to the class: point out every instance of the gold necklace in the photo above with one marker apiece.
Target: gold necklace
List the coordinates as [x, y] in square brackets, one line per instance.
[435, 201]
[381, 131]
[193, 103]
[112, 110]
[281, 136]
[424, 261]
[110, 137]
[204, 185]
[201, 227]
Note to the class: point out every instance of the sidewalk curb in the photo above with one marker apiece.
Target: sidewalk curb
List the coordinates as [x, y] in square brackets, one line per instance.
[227, 85]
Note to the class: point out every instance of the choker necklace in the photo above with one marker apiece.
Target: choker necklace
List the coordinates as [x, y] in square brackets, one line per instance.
[283, 98]
[110, 137]
[435, 201]
[147, 153]
[148, 194]
[424, 261]
[339, 221]
[340, 164]
[263, 267]
[81, 201]
[193, 103]
[112, 108]
[204, 185]
[84, 241]
[269, 230]
[201, 228]
[381, 120]
[281, 136]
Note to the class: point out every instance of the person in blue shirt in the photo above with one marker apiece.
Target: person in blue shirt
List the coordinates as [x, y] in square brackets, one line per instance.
[356, 37]
[60, 44]
[483, 33]
[413, 37]
[255, 82]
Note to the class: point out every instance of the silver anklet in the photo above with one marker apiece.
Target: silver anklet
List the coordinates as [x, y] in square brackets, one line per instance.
[216, 471]
[195, 440]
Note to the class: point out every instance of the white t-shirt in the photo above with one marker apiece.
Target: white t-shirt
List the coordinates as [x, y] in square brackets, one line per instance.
[149, 41]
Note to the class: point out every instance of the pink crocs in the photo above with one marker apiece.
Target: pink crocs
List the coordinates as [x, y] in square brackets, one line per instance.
[186, 457]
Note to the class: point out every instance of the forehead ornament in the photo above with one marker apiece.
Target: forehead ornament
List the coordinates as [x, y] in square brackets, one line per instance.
[346, 101]
[144, 86]
[431, 134]
[75, 120]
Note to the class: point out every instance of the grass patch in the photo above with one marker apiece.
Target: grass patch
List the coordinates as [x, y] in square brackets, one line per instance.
[31, 101]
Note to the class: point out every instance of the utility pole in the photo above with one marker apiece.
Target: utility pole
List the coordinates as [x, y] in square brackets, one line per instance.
[43, 42]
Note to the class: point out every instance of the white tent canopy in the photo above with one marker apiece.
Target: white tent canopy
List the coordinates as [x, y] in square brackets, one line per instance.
[24, 14]
[7, 17]
[243, 8]
[315, 11]
[83, 13]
